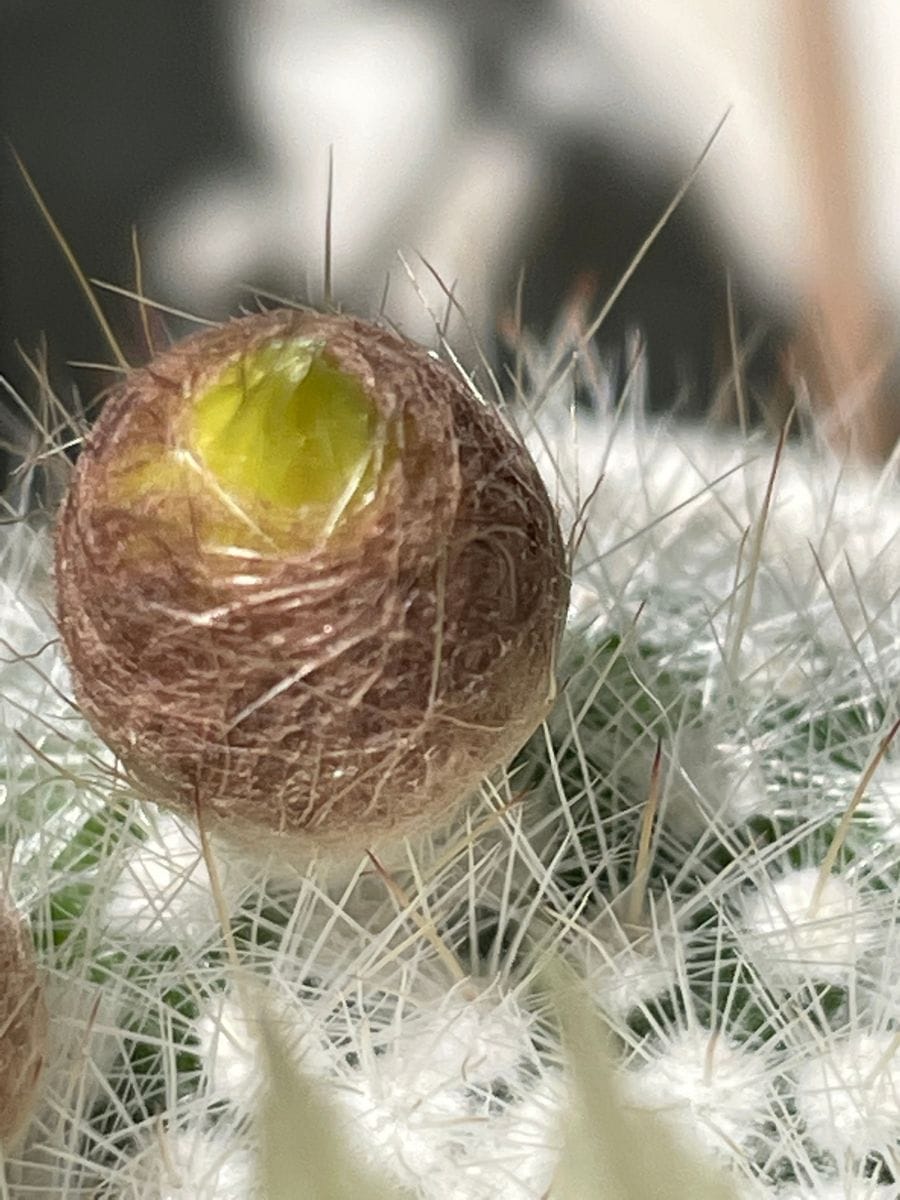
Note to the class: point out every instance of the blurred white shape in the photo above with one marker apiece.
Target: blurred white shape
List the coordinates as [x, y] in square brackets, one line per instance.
[470, 232]
[872, 32]
[209, 237]
[686, 63]
[378, 85]
[420, 166]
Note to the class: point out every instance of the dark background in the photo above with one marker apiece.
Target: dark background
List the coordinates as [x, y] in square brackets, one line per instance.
[113, 104]
[109, 103]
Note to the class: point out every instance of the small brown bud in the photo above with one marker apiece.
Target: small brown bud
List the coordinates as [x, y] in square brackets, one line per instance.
[308, 581]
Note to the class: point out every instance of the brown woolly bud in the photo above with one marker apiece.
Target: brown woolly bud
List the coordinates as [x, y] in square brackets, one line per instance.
[308, 581]
[23, 1024]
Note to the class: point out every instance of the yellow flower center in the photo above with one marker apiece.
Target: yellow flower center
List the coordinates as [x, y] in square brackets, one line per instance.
[278, 453]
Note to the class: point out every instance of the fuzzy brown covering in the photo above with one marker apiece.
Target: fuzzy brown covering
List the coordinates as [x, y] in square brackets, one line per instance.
[23, 1024]
[346, 693]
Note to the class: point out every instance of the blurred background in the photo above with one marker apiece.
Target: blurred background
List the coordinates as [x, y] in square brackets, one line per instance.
[496, 140]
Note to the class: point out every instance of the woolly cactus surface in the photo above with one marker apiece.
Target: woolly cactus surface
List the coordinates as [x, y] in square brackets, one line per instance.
[707, 829]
